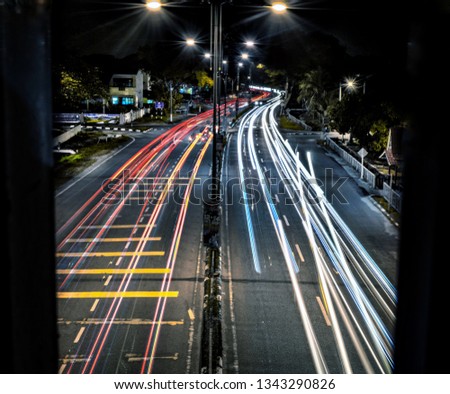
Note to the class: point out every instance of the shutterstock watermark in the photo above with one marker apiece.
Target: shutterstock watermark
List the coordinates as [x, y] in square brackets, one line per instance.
[128, 190]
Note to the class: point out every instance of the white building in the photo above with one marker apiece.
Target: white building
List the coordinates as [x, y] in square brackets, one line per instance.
[128, 89]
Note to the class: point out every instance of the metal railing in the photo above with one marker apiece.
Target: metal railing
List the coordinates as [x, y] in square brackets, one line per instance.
[393, 198]
[368, 175]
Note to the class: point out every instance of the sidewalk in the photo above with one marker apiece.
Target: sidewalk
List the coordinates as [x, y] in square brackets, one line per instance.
[371, 191]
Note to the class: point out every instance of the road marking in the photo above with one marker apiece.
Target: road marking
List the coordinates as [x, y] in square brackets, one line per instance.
[276, 198]
[114, 226]
[133, 322]
[324, 313]
[62, 368]
[110, 254]
[262, 161]
[80, 333]
[108, 280]
[127, 245]
[285, 220]
[265, 169]
[90, 240]
[94, 305]
[141, 219]
[302, 259]
[74, 359]
[117, 294]
[119, 260]
[136, 357]
[113, 271]
[191, 314]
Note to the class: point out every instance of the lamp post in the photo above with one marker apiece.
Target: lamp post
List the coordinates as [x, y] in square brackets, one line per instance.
[238, 71]
[170, 102]
[225, 78]
[350, 84]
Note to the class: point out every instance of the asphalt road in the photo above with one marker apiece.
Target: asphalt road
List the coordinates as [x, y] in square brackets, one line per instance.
[129, 258]
[265, 330]
[309, 285]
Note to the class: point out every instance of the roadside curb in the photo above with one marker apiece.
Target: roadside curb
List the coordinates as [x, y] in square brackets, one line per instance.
[385, 213]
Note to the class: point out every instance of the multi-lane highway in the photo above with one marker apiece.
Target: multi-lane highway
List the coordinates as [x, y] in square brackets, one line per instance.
[309, 262]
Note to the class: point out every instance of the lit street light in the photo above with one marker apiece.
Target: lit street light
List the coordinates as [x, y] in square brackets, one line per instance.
[244, 56]
[153, 5]
[350, 85]
[190, 42]
[250, 43]
[279, 7]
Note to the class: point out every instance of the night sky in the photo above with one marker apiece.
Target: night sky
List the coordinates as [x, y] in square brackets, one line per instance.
[119, 27]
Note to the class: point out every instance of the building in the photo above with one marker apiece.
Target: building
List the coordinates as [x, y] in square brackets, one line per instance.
[129, 89]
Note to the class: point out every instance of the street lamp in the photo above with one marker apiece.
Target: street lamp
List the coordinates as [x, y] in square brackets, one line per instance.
[279, 7]
[350, 85]
[190, 42]
[250, 43]
[245, 56]
[170, 102]
[153, 5]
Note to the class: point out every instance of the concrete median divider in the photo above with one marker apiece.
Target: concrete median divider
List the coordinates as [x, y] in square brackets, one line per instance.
[212, 351]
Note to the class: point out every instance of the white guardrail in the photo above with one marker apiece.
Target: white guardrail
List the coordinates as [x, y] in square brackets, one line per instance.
[393, 198]
[355, 163]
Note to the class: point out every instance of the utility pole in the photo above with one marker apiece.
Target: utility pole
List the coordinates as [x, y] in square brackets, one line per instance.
[170, 102]
[216, 19]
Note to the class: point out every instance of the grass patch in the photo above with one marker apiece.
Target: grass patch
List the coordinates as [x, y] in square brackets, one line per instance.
[71, 159]
[285, 123]
[391, 211]
[88, 148]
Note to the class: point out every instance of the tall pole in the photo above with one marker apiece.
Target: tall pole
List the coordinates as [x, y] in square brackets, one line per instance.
[216, 10]
[340, 91]
[170, 104]
[238, 70]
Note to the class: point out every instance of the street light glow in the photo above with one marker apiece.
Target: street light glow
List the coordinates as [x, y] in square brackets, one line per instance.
[153, 5]
[240, 64]
[208, 55]
[224, 62]
[190, 42]
[245, 56]
[351, 84]
[250, 43]
[279, 7]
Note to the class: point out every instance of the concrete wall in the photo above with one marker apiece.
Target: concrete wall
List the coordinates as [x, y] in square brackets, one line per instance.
[66, 136]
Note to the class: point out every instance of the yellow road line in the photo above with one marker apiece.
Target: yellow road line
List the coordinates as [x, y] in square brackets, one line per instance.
[133, 322]
[117, 294]
[115, 226]
[113, 239]
[300, 254]
[113, 271]
[324, 313]
[110, 254]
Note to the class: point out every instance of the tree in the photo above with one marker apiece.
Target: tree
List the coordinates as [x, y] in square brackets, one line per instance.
[203, 79]
[314, 95]
[77, 86]
[379, 133]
